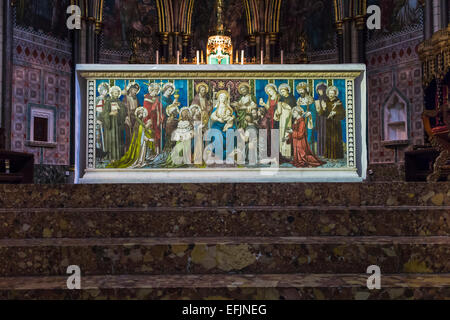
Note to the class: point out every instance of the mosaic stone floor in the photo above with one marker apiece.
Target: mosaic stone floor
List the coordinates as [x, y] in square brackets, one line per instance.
[226, 241]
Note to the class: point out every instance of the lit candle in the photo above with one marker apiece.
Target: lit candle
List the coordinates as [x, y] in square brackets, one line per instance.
[237, 56]
[178, 56]
[157, 56]
[198, 57]
[202, 56]
[282, 53]
[242, 56]
[262, 57]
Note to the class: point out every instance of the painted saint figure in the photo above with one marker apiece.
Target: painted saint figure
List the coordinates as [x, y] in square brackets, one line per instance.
[245, 105]
[183, 134]
[154, 109]
[334, 113]
[131, 104]
[202, 100]
[141, 143]
[284, 115]
[103, 90]
[269, 121]
[220, 117]
[163, 159]
[321, 120]
[267, 117]
[113, 116]
[297, 136]
[306, 102]
[167, 100]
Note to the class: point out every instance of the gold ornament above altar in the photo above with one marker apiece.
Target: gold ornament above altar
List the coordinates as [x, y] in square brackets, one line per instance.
[220, 48]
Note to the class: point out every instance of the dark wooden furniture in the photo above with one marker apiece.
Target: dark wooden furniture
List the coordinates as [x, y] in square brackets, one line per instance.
[16, 167]
[435, 56]
[419, 163]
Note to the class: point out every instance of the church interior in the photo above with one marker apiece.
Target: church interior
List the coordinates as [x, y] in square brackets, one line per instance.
[233, 240]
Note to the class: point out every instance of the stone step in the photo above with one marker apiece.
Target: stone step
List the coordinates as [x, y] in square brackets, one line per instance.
[39, 257]
[227, 194]
[242, 287]
[224, 222]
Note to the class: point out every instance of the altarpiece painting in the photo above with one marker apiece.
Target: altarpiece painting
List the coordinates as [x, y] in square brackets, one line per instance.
[221, 120]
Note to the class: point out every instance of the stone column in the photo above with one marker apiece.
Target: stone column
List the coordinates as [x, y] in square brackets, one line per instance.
[428, 19]
[185, 52]
[98, 31]
[444, 13]
[252, 46]
[340, 40]
[2, 138]
[273, 39]
[164, 36]
[360, 22]
[77, 45]
[7, 56]
[347, 40]
[91, 37]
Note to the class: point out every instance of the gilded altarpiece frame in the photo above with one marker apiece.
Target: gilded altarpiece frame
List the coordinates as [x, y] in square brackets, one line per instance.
[170, 93]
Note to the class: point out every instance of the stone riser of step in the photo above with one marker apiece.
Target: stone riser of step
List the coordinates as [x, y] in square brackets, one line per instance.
[225, 255]
[225, 221]
[213, 195]
[242, 287]
[232, 294]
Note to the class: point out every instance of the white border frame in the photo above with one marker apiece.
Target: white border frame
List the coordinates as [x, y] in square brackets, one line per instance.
[84, 161]
[37, 112]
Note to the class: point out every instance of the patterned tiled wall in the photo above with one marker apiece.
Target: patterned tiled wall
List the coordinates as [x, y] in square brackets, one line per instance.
[1, 67]
[41, 75]
[394, 68]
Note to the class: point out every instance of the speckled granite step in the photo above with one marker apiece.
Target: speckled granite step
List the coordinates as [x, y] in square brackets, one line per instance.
[224, 221]
[243, 287]
[26, 257]
[213, 195]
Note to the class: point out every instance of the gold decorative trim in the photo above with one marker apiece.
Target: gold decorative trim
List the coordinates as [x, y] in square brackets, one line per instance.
[435, 56]
[220, 75]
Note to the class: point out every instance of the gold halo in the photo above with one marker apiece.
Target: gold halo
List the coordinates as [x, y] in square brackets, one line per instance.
[223, 91]
[115, 88]
[284, 85]
[141, 109]
[188, 110]
[333, 88]
[153, 84]
[192, 106]
[197, 87]
[320, 83]
[103, 84]
[170, 109]
[244, 84]
[270, 85]
[303, 85]
[166, 86]
[134, 84]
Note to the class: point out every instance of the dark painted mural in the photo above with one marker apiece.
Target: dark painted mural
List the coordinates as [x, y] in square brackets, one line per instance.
[46, 16]
[122, 17]
[397, 15]
[235, 15]
[315, 18]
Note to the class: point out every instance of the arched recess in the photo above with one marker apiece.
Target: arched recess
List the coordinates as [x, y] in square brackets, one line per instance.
[175, 23]
[86, 47]
[263, 20]
[272, 16]
[252, 13]
[165, 15]
[395, 118]
[350, 15]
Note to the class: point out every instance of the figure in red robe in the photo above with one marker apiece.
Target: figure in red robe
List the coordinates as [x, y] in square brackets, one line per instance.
[298, 137]
[154, 108]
